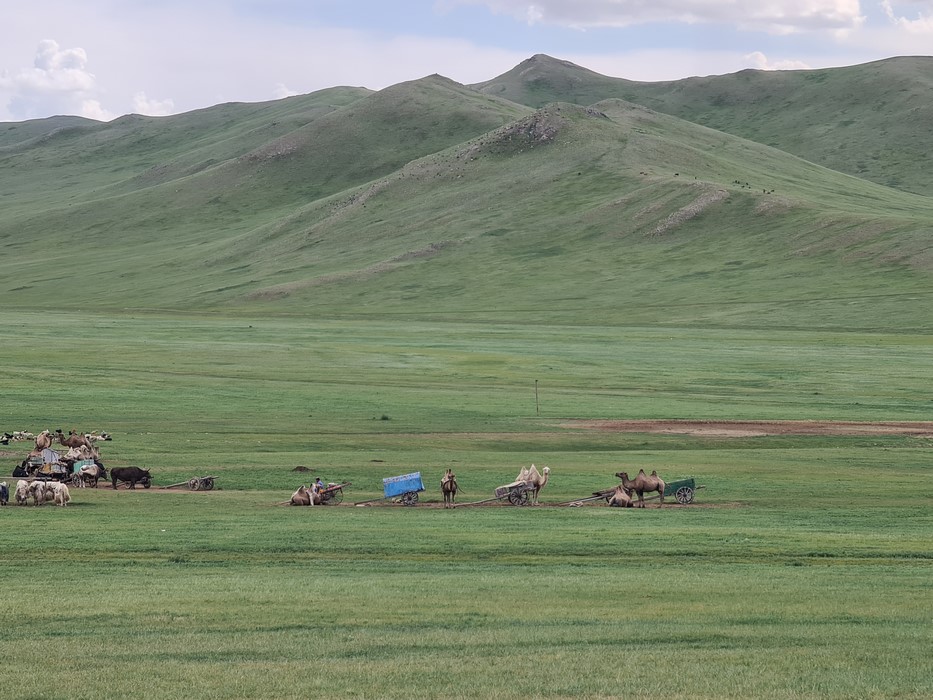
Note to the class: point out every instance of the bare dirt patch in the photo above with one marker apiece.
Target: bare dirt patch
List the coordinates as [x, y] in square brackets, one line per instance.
[711, 428]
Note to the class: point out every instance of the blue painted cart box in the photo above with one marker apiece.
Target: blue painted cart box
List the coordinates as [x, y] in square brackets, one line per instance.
[397, 485]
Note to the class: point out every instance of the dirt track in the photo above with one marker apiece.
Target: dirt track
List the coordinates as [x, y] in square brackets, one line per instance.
[712, 428]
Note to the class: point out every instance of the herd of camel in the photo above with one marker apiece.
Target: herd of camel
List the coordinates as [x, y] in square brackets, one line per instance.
[620, 496]
[81, 447]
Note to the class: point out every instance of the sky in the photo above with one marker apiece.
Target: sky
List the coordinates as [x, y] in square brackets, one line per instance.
[105, 58]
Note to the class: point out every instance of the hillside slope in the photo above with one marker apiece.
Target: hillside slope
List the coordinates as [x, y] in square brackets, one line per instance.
[12, 133]
[870, 120]
[613, 214]
[430, 199]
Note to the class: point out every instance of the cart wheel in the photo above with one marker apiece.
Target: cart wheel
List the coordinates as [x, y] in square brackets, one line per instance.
[518, 498]
[208, 483]
[337, 497]
[147, 483]
[410, 498]
[684, 495]
[194, 484]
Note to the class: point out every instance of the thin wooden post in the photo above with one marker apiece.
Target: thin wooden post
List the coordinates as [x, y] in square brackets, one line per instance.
[537, 410]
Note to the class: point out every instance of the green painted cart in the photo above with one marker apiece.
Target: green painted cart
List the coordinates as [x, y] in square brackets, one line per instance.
[682, 490]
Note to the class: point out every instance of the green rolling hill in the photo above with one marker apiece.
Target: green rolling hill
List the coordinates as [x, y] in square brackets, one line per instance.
[870, 120]
[436, 200]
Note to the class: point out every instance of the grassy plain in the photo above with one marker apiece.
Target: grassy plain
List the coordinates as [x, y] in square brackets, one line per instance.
[804, 569]
[367, 284]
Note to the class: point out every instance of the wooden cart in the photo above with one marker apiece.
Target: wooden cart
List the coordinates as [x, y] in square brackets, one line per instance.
[197, 483]
[333, 494]
[518, 492]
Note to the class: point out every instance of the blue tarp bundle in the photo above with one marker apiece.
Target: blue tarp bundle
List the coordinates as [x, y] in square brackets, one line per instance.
[397, 485]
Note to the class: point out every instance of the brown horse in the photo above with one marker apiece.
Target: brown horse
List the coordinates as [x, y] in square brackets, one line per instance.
[642, 484]
[449, 488]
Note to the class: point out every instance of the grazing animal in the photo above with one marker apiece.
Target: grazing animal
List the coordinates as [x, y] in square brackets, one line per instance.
[21, 494]
[61, 496]
[131, 475]
[4, 493]
[89, 474]
[37, 491]
[16, 436]
[96, 437]
[305, 497]
[449, 488]
[538, 480]
[643, 484]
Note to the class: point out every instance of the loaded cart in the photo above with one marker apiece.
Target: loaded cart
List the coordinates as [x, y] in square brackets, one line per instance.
[518, 492]
[405, 487]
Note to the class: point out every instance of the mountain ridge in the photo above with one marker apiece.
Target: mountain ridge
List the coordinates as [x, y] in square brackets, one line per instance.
[433, 198]
[849, 118]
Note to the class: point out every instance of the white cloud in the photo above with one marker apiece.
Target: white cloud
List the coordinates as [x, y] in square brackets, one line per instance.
[758, 60]
[92, 109]
[775, 16]
[152, 108]
[237, 50]
[281, 91]
[922, 24]
[58, 80]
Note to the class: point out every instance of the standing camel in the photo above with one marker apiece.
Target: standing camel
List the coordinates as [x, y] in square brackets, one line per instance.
[74, 439]
[642, 484]
[449, 488]
[538, 480]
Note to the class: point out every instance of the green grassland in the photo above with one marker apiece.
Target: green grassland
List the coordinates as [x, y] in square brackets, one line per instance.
[366, 284]
[803, 570]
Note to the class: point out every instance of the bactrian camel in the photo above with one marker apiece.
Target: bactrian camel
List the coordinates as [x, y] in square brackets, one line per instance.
[643, 484]
[305, 497]
[74, 439]
[538, 480]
